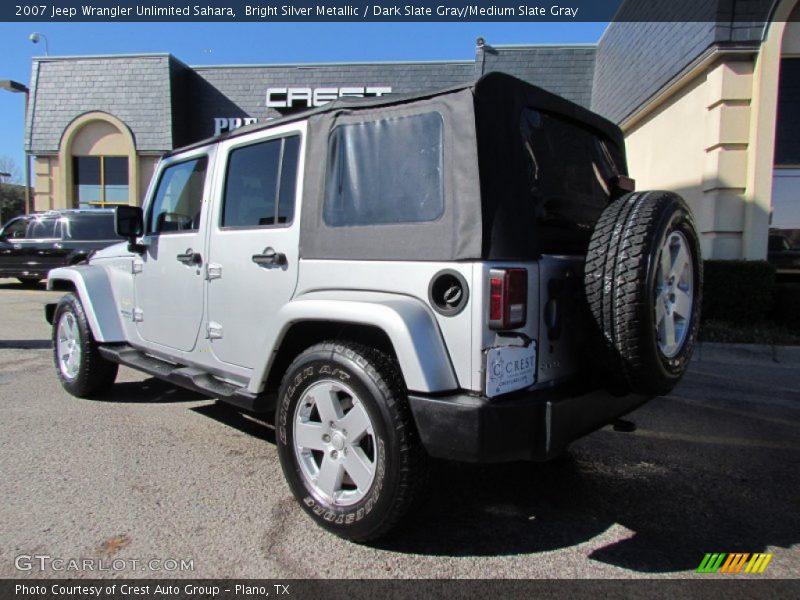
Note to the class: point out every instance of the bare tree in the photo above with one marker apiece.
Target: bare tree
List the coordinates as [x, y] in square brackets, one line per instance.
[12, 194]
[9, 170]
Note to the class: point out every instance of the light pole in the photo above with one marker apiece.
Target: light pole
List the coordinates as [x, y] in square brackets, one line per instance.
[36, 36]
[16, 86]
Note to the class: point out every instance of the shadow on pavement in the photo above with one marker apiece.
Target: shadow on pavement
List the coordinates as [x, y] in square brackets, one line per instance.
[696, 478]
[256, 426]
[677, 500]
[149, 391]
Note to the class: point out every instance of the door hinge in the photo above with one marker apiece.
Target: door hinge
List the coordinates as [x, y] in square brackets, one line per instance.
[137, 315]
[136, 266]
[214, 330]
[213, 271]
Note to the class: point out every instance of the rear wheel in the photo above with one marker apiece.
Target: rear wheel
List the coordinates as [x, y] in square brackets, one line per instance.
[346, 440]
[83, 372]
[643, 281]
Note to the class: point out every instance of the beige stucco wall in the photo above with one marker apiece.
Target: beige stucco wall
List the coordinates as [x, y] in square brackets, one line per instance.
[711, 137]
[791, 35]
[99, 137]
[147, 166]
[91, 134]
[696, 143]
[45, 178]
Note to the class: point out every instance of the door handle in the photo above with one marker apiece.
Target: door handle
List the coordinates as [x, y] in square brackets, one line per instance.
[269, 258]
[190, 257]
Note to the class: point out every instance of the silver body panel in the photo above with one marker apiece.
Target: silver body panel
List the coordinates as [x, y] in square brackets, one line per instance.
[229, 316]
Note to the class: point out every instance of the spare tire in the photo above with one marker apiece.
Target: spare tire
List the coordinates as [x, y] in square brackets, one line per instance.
[643, 280]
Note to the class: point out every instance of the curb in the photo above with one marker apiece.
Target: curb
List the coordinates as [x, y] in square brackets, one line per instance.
[746, 353]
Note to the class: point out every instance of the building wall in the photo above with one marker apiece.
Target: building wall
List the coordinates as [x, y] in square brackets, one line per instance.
[696, 100]
[147, 166]
[134, 89]
[564, 70]
[45, 179]
[240, 91]
[636, 60]
[696, 143]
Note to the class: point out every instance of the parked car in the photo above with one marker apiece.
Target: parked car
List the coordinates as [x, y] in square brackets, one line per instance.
[464, 274]
[784, 254]
[32, 245]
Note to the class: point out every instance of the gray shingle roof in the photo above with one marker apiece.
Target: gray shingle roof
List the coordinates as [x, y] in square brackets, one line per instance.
[636, 60]
[563, 70]
[135, 89]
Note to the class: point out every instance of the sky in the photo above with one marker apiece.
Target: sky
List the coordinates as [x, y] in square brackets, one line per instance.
[257, 43]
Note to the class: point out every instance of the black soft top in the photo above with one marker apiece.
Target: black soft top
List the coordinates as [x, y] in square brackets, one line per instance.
[488, 210]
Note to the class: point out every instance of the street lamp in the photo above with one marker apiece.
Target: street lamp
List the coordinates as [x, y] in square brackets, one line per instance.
[16, 86]
[36, 36]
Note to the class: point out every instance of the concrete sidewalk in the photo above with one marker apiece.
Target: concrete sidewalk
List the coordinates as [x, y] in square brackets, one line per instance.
[746, 353]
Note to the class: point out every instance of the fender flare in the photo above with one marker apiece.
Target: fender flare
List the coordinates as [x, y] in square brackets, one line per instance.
[407, 321]
[93, 288]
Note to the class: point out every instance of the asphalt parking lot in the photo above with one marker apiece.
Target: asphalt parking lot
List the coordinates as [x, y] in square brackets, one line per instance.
[153, 472]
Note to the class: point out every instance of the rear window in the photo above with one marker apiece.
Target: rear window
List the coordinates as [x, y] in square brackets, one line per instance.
[89, 227]
[570, 168]
[385, 172]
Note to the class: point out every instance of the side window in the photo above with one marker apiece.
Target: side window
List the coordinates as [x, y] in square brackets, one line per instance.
[16, 230]
[260, 184]
[179, 198]
[42, 229]
[384, 172]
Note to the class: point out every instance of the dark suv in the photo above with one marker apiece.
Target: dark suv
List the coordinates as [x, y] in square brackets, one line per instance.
[31, 245]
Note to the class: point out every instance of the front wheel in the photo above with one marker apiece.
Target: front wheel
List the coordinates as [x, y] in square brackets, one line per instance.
[83, 372]
[346, 440]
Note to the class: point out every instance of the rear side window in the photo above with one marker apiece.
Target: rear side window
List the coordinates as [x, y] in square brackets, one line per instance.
[89, 227]
[385, 172]
[39, 229]
[179, 198]
[260, 184]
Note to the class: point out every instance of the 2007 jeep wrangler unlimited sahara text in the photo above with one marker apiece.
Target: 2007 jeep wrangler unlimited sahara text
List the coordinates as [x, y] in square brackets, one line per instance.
[464, 274]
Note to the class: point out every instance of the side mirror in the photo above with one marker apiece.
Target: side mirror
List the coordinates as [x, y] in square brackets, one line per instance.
[129, 224]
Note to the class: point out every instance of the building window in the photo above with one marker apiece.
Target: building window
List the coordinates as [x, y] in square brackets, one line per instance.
[100, 181]
[784, 239]
[787, 143]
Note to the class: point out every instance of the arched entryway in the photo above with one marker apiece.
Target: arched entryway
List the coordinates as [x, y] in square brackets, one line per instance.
[98, 160]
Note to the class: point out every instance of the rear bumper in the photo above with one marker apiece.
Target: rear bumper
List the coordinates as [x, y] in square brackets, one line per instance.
[535, 425]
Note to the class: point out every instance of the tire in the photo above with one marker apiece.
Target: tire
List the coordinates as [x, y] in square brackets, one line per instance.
[83, 372]
[370, 477]
[643, 280]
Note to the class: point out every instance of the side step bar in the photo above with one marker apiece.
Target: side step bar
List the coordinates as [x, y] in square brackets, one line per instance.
[188, 377]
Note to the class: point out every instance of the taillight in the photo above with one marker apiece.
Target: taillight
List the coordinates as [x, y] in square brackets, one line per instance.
[508, 298]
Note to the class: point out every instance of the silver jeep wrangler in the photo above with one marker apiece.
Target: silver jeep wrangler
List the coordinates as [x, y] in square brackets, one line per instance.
[465, 274]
